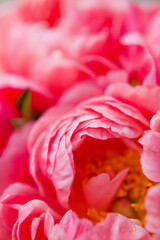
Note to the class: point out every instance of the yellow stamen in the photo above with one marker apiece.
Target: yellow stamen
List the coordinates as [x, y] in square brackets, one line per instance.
[95, 215]
[132, 190]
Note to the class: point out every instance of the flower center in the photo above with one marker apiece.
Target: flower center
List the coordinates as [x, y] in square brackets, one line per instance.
[111, 157]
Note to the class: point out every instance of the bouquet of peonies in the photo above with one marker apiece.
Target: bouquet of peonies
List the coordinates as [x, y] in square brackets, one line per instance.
[80, 120]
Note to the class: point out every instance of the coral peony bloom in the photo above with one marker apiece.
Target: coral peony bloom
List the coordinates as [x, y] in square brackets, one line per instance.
[106, 40]
[92, 150]
[34, 219]
[89, 171]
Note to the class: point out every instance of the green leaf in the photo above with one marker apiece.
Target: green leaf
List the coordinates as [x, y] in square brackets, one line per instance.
[24, 104]
[134, 82]
[17, 122]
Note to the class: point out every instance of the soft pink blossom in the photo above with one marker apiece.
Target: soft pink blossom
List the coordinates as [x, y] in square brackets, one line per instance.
[52, 157]
[64, 52]
[98, 123]
[102, 45]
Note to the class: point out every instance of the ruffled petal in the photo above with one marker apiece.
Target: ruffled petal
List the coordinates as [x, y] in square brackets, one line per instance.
[152, 205]
[105, 188]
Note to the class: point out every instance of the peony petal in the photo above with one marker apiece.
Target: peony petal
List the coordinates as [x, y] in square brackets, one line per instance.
[73, 225]
[155, 122]
[145, 98]
[31, 216]
[105, 187]
[116, 227]
[152, 206]
[12, 198]
[14, 161]
[58, 233]
[150, 158]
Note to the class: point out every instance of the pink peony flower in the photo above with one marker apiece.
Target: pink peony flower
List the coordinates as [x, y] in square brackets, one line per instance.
[93, 150]
[45, 58]
[85, 169]
[107, 46]
[77, 157]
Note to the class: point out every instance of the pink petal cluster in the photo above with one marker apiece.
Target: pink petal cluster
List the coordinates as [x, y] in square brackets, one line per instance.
[80, 120]
[31, 213]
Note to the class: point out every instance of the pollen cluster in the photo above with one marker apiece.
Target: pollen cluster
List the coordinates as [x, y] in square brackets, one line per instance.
[131, 194]
[129, 199]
